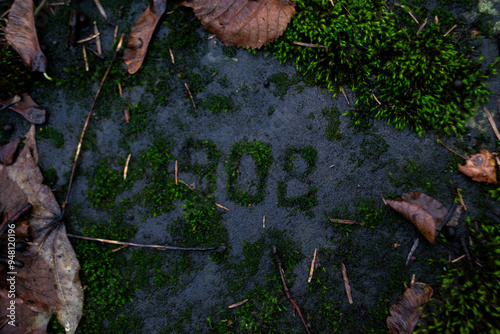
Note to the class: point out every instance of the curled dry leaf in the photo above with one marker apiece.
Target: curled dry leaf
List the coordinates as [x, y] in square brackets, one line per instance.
[480, 167]
[247, 23]
[423, 211]
[21, 34]
[141, 33]
[405, 313]
[27, 108]
[46, 280]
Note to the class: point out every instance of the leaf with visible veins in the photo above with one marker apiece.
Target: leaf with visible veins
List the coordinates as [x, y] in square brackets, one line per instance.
[247, 23]
[480, 167]
[47, 284]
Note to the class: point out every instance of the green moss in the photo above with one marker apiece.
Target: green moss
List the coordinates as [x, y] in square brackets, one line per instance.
[15, 78]
[53, 134]
[467, 299]
[261, 154]
[308, 200]
[50, 177]
[332, 117]
[282, 82]
[422, 80]
[229, 51]
[217, 103]
[208, 171]
[412, 177]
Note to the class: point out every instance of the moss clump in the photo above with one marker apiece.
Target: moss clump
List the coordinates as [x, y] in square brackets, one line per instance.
[15, 78]
[261, 154]
[50, 177]
[467, 301]
[421, 79]
[332, 117]
[208, 171]
[217, 103]
[53, 134]
[308, 200]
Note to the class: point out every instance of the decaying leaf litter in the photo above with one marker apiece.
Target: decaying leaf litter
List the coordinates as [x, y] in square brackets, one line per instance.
[339, 220]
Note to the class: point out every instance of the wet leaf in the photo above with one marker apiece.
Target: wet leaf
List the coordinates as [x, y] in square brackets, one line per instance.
[247, 23]
[141, 33]
[7, 152]
[423, 211]
[28, 108]
[21, 34]
[406, 311]
[47, 284]
[480, 167]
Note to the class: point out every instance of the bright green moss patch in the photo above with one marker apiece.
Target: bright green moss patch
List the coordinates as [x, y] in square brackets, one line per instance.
[53, 134]
[422, 80]
[467, 300]
[261, 155]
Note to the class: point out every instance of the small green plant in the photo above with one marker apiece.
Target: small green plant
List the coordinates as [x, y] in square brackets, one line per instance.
[467, 300]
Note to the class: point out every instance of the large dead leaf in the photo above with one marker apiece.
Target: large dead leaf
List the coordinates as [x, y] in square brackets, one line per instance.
[423, 211]
[247, 23]
[28, 108]
[21, 34]
[405, 313]
[47, 284]
[480, 167]
[141, 33]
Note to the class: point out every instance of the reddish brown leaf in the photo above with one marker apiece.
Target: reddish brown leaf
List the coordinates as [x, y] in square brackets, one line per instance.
[21, 34]
[7, 152]
[47, 284]
[423, 211]
[28, 108]
[405, 313]
[247, 23]
[141, 33]
[480, 167]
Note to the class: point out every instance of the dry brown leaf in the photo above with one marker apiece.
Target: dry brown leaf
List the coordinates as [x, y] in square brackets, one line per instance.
[405, 313]
[28, 108]
[7, 152]
[247, 23]
[141, 33]
[423, 211]
[48, 283]
[480, 167]
[21, 34]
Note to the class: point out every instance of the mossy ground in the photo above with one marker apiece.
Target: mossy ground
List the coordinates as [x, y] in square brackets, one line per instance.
[263, 142]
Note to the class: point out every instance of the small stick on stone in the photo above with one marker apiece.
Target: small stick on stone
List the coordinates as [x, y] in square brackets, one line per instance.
[88, 38]
[376, 99]
[412, 250]
[311, 271]
[344, 221]
[176, 173]
[345, 95]
[413, 17]
[101, 9]
[120, 89]
[171, 55]
[85, 58]
[222, 207]
[158, 247]
[461, 199]
[190, 95]
[422, 27]
[458, 258]
[451, 29]
[119, 248]
[97, 40]
[452, 151]
[115, 34]
[264, 220]
[125, 170]
[287, 292]
[315, 46]
[237, 304]
[346, 283]
[492, 122]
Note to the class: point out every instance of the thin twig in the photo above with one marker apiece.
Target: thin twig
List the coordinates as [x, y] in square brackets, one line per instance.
[287, 292]
[422, 26]
[171, 55]
[311, 271]
[222, 207]
[344, 221]
[412, 250]
[125, 170]
[97, 39]
[158, 247]
[263, 220]
[452, 151]
[460, 198]
[40, 7]
[345, 95]
[85, 58]
[376, 99]
[237, 304]
[413, 17]
[458, 258]
[79, 147]
[190, 95]
[316, 46]
[176, 173]
[101, 9]
[492, 122]
[346, 283]
[451, 29]
[88, 38]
